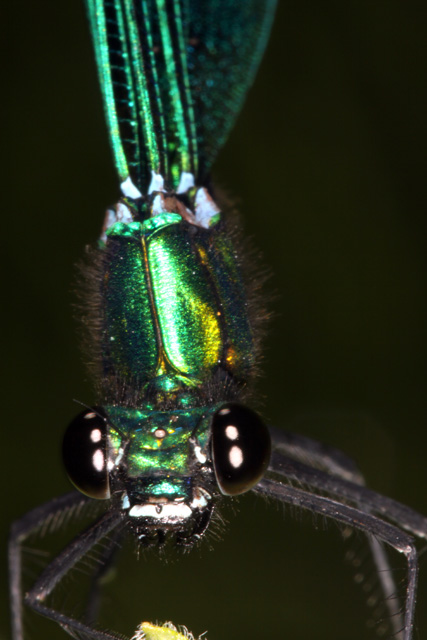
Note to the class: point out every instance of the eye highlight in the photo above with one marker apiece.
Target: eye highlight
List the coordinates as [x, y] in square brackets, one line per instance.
[241, 448]
[85, 455]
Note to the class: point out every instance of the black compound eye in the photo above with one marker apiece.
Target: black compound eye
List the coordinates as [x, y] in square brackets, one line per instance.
[241, 448]
[85, 455]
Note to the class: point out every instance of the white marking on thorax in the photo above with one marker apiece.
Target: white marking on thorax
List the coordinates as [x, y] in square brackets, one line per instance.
[129, 190]
[205, 208]
[186, 182]
[157, 183]
[109, 220]
[158, 205]
[121, 213]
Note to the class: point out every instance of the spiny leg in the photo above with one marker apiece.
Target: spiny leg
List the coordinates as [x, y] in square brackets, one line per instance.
[368, 500]
[313, 454]
[104, 566]
[56, 570]
[358, 519]
[316, 454]
[41, 516]
[61, 565]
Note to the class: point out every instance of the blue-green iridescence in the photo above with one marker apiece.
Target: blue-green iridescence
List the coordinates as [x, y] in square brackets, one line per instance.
[173, 77]
[175, 306]
[174, 327]
[158, 456]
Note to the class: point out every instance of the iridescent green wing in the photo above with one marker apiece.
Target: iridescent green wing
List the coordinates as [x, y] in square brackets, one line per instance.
[226, 40]
[174, 74]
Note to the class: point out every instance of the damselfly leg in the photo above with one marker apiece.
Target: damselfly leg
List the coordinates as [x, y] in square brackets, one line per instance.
[320, 485]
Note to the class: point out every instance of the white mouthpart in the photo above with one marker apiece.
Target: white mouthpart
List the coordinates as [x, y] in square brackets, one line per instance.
[168, 512]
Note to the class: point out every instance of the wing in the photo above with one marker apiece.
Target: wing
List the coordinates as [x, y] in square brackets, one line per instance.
[174, 74]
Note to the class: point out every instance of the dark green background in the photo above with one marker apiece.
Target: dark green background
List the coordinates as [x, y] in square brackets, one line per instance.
[328, 161]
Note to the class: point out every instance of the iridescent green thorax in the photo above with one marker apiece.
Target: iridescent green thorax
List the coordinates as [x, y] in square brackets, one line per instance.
[168, 309]
[174, 307]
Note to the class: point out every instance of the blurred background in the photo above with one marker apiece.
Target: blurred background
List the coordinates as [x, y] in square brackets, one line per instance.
[327, 163]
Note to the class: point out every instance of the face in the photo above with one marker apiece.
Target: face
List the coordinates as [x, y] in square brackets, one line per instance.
[164, 469]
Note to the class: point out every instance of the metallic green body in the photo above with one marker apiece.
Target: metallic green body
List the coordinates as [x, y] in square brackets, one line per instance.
[171, 310]
[175, 307]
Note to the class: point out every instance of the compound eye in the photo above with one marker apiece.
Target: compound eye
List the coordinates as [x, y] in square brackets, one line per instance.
[241, 448]
[85, 455]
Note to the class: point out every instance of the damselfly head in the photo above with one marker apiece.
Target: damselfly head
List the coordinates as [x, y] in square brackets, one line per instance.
[164, 469]
[155, 465]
